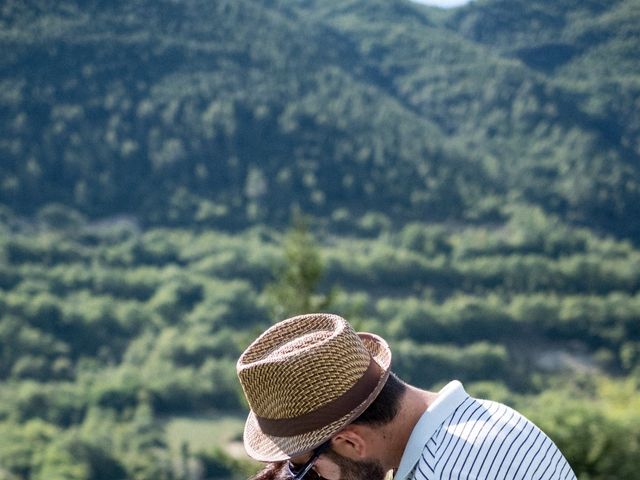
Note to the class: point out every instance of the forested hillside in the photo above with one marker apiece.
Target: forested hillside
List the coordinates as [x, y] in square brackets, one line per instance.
[231, 112]
[177, 175]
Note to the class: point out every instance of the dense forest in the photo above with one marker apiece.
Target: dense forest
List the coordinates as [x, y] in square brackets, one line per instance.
[235, 111]
[177, 175]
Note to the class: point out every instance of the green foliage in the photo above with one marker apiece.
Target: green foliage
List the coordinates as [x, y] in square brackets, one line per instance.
[21, 443]
[219, 464]
[68, 458]
[294, 290]
[90, 359]
[599, 436]
[382, 107]
[427, 364]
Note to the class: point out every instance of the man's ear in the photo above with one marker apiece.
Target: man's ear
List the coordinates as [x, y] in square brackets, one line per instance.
[351, 442]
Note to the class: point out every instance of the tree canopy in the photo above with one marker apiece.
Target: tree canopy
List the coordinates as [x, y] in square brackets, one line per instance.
[229, 113]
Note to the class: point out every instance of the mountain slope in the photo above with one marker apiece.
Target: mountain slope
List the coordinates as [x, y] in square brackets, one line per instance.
[198, 97]
[230, 112]
[536, 134]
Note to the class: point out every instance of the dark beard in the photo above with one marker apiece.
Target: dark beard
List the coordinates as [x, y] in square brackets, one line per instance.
[357, 470]
[349, 470]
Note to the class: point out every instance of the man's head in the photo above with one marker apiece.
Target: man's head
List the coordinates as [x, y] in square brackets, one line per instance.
[355, 450]
[346, 455]
[306, 379]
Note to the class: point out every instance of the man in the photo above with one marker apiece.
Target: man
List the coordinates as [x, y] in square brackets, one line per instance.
[324, 403]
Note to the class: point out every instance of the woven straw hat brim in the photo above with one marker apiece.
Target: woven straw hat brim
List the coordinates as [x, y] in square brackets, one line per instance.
[269, 448]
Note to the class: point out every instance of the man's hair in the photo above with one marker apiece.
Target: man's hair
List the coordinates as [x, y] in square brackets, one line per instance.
[386, 405]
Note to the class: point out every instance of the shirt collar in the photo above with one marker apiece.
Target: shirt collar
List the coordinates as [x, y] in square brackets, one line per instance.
[449, 398]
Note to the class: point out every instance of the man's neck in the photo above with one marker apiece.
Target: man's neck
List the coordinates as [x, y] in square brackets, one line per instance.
[412, 405]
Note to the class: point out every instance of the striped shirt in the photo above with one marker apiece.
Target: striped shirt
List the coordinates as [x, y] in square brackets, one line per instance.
[460, 437]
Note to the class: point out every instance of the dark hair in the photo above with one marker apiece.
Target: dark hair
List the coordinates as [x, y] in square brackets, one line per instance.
[273, 471]
[386, 405]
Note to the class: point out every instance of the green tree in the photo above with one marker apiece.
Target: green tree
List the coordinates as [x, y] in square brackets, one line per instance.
[600, 436]
[294, 289]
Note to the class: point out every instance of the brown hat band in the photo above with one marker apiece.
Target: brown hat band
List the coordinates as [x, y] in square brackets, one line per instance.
[327, 413]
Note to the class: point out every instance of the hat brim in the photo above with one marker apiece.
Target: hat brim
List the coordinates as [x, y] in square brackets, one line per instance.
[269, 448]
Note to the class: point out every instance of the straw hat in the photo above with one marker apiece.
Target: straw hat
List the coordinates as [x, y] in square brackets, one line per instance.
[305, 378]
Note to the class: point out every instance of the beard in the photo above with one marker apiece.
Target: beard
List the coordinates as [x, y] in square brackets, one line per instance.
[357, 470]
[349, 470]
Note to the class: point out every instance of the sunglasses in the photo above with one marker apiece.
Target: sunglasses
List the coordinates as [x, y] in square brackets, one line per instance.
[299, 472]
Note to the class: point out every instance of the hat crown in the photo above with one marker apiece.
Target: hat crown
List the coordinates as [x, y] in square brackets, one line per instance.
[301, 364]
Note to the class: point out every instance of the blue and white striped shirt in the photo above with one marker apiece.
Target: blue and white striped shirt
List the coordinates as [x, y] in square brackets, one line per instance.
[460, 437]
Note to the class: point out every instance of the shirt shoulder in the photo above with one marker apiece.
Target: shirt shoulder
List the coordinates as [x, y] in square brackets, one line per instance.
[483, 439]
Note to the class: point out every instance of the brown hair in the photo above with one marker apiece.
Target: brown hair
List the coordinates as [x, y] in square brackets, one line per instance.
[273, 471]
[386, 405]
